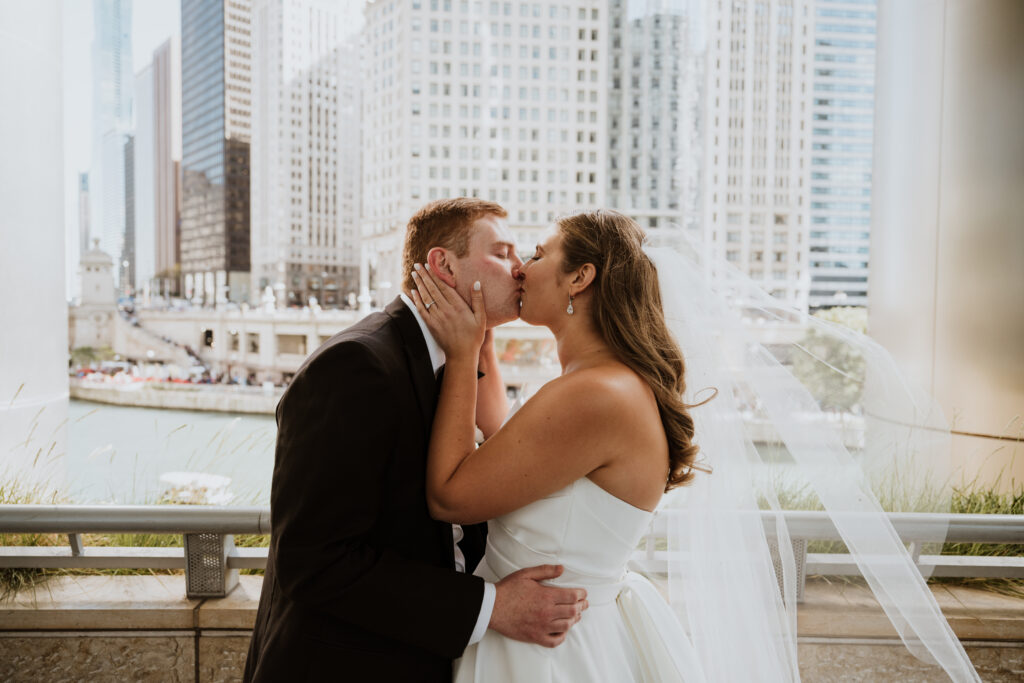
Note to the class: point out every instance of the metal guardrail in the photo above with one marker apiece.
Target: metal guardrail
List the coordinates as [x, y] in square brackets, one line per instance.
[157, 519]
[211, 560]
[208, 555]
[916, 529]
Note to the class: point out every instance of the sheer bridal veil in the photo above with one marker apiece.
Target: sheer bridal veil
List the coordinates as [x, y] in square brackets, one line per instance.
[809, 416]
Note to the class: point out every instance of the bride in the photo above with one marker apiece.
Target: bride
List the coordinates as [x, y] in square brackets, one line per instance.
[575, 476]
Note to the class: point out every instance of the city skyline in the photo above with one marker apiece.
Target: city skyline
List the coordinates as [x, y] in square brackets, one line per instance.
[499, 100]
[305, 167]
[670, 126]
[153, 22]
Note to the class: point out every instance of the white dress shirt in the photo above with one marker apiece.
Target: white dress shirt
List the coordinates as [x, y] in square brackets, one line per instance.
[490, 592]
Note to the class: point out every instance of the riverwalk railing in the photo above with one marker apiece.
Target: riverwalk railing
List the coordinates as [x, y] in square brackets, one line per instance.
[211, 560]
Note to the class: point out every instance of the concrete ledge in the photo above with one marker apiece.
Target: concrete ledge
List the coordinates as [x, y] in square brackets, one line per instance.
[141, 628]
[237, 610]
[102, 602]
[849, 610]
[830, 610]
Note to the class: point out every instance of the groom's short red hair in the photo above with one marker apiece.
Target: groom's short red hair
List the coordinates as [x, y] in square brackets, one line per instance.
[442, 223]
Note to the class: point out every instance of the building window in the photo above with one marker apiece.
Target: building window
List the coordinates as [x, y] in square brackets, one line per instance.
[292, 343]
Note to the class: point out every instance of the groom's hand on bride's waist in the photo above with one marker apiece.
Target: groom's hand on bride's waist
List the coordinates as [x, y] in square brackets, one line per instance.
[527, 610]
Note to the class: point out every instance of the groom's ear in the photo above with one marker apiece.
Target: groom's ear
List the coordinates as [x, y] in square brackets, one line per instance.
[440, 261]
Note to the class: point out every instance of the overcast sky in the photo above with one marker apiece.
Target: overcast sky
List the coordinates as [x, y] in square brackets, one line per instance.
[153, 22]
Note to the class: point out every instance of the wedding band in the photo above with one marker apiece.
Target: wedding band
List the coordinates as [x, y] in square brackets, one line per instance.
[430, 304]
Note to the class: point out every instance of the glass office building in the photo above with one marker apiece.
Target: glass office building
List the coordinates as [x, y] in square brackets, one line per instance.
[216, 56]
[841, 152]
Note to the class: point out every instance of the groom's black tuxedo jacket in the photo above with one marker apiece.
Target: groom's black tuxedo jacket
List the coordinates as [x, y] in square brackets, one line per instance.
[360, 582]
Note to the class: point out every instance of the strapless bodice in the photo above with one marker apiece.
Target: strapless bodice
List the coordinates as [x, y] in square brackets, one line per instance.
[589, 531]
[629, 634]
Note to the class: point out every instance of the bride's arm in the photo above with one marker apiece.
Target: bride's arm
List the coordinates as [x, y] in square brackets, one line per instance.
[492, 401]
[561, 434]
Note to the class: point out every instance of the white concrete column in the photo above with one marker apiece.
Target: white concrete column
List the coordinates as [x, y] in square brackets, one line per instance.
[947, 236]
[33, 310]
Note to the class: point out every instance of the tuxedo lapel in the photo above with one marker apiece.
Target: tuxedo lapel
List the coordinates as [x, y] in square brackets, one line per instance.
[420, 368]
[424, 383]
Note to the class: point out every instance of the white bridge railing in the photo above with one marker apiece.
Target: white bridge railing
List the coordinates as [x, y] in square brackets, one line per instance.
[211, 560]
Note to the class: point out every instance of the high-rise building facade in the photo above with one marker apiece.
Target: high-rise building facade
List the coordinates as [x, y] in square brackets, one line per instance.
[126, 280]
[758, 141]
[112, 81]
[306, 151]
[112, 198]
[841, 143]
[655, 103]
[157, 152]
[143, 212]
[216, 64]
[83, 213]
[167, 166]
[506, 101]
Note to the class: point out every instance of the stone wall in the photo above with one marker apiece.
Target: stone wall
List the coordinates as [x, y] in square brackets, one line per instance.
[98, 656]
[202, 397]
[143, 628]
[125, 628]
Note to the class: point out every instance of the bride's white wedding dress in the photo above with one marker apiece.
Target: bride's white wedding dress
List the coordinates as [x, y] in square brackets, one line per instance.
[719, 563]
[629, 633]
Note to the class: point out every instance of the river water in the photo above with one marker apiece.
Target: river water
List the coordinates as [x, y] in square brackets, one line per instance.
[117, 454]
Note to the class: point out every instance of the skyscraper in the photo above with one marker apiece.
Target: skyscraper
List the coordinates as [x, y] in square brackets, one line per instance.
[143, 185]
[757, 146]
[216, 64]
[841, 143]
[656, 96]
[126, 279]
[167, 165]
[506, 101]
[112, 198]
[83, 213]
[111, 120]
[305, 150]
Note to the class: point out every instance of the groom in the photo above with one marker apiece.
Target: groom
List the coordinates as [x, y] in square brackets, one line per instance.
[361, 584]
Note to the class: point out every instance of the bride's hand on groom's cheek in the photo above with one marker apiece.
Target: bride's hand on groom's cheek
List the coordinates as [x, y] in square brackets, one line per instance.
[459, 328]
[527, 610]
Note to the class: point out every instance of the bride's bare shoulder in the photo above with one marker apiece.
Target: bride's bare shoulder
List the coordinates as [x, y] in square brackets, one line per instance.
[608, 387]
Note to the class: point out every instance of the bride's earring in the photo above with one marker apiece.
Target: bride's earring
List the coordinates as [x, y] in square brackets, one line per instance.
[570, 310]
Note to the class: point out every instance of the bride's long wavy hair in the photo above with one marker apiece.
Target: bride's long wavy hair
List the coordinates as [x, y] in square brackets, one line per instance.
[627, 312]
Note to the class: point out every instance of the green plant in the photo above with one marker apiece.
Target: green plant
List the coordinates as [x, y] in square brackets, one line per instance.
[987, 502]
[831, 370]
[967, 499]
[14, 580]
[893, 497]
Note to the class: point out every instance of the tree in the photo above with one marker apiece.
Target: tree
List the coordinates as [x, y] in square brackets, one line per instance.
[831, 370]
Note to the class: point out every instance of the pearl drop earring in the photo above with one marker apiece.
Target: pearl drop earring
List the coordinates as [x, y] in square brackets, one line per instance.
[569, 309]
